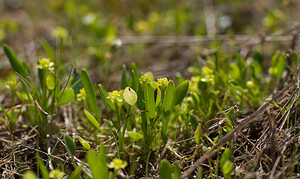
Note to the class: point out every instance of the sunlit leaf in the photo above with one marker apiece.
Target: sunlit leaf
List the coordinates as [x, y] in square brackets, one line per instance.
[92, 119]
[98, 166]
[227, 168]
[66, 96]
[150, 101]
[134, 135]
[198, 134]
[51, 81]
[29, 175]
[225, 157]
[169, 97]
[181, 91]
[84, 143]
[130, 96]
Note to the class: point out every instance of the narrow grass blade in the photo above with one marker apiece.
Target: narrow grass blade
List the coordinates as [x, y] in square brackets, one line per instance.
[103, 94]
[169, 97]
[43, 169]
[150, 101]
[90, 93]
[134, 77]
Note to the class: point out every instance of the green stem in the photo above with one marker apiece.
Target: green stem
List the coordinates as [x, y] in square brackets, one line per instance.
[147, 163]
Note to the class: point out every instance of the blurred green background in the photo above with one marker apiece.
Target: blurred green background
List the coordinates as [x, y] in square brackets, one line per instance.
[104, 34]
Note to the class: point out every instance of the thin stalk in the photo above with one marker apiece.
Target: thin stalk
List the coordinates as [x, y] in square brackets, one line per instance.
[147, 163]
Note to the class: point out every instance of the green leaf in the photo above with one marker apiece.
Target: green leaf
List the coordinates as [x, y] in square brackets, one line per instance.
[169, 97]
[76, 83]
[198, 134]
[158, 97]
[124, 82]
[90, 92]
[176, 172]
[134, 135]
[150, 101]
[134, 77]
[51, 81]
[15, 62]
[76, 173]
[48, 49]
[281, 65]
[84, 143]
[43, 169]
[227, 168]
[66, 96]
[130, 96]
[102, 154]
[181, 91]
[165, 169]
[107, 102]
[98, 166]
[70, 145]
[140, 101]
[29, 175]
[193, 121]
[92, 119]
[225, 157]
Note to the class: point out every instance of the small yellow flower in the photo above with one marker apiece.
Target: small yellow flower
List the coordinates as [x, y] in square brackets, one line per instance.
[146, 78]
[45, 63]
[60, 32]
[116, 97]
[162, 82]
[81, 95]
[56, 174]
[117, 164]
[13, 85]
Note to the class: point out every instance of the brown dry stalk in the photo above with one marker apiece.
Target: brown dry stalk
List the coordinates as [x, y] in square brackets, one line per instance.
[244, 123]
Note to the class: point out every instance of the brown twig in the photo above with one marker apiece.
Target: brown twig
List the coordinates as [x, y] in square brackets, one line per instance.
[212, 152]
